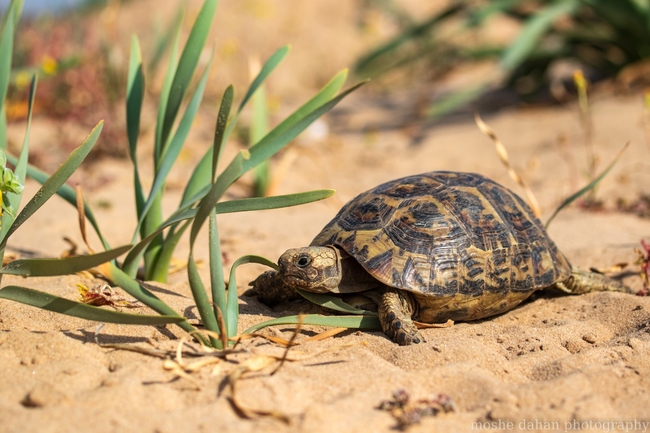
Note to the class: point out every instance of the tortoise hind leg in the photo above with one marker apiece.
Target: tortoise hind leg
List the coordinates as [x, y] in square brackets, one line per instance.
[395, 311]
[582, 281]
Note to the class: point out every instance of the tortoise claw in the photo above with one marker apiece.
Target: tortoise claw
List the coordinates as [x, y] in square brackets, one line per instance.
[395, 317]
[403, 333]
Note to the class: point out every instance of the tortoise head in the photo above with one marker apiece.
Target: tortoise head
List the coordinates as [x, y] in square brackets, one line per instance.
[314, 269]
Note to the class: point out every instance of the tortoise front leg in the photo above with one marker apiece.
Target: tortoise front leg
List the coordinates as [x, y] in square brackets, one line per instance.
[395, 311]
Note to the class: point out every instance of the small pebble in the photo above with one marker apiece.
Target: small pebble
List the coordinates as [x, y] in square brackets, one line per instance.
[589, 338]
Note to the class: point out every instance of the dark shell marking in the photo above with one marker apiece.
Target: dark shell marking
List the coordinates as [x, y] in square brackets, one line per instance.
[466, 246]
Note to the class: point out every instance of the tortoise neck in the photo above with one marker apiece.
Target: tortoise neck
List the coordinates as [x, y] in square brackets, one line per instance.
[354, 278]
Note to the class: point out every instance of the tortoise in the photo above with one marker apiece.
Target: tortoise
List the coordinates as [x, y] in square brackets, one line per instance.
[431, 247]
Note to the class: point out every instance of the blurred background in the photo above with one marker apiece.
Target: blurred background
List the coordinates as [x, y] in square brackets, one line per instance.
[429, 61]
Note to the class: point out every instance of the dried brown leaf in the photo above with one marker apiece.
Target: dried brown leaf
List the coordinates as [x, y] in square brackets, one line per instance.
[420, 325]
[327, 334]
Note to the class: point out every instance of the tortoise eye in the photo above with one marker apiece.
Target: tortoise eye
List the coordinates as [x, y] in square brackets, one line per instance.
[303, 261]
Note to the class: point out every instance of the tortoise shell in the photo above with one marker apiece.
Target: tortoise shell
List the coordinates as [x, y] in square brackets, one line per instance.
[449, 234]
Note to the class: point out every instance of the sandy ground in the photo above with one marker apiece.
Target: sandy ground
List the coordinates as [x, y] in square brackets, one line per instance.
[553, 364]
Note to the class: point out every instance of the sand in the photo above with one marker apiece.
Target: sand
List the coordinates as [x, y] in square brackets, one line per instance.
[553, 364]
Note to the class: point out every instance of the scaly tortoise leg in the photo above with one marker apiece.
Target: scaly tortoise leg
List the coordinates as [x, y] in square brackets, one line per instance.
[395, 311]
[581, 282]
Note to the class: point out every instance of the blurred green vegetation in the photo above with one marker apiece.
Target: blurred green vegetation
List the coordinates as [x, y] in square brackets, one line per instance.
[601, 37]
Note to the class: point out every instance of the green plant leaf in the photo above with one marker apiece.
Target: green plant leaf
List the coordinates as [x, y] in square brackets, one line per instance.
[65, 266]
[267, 68]
[6, 53]
[172, 64]
[324, 95]
[354, 322]
[166, 253]
[131, 261]
[3, 127]
[52, 185]
[258, 129]
[220, 129]
[67, 193]
[231, 206]
[528, 39]
[232, 318]
[200, 181]
[457, 99]
[20, 170]
[198, 185]
[217, 282]
[590, 186]
[366, 66]
[275, 140]
[187, 64]
[48, 302]
[6, 50]
[203, 304]
[170, 154]
[142, 294]
[224, 180]
[333, 303]
[134, 98]
[273, 202]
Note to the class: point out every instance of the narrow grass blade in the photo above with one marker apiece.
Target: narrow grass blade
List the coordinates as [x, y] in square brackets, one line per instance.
[459, 99]
[6, 50]
[166, 89]
[20, 170]
[161, 268]
[66, 192]
[3, 127]
[52, 185]
[275, 140]
[6, 53]
[232, 318]
[220, 129]
[323, 96]
[354, 322]
[587, 188]
[132, 259]
[203, 303]
[217, 282]
[231, 206]
[139, 292]
[65, 266]
[366, 66]
[168, 158]
[225, 179]
[134, 98]
[333, 303]
[258, 129]
[479, 16]
[187, 64]
[528, 39]
[198, 185]
[268, 67]
[200, 181]
[14, 11]
[273, 202]
[48, 302]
